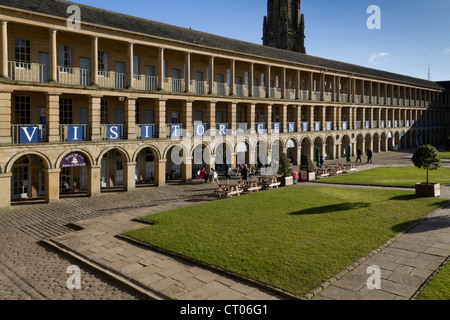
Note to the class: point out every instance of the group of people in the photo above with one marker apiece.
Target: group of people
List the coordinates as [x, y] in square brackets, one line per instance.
[359, 154]
[212, 177]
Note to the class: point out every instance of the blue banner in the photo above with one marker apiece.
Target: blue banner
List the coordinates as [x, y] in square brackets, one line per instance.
[199, 129]
[147, 132]
[222, 128]
[260, 128]
[291, 127]
[175, 131]
[276, 128]
[114, 132]
[75, 133]
[29, 134]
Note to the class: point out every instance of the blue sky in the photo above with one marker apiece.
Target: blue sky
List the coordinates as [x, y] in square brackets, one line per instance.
[414, 34]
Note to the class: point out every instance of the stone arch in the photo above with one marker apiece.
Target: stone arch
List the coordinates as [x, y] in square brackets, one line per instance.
[330, 147]
[43, 157]
[147, 159]
[154, 149]
[86, 153]
[121, 150]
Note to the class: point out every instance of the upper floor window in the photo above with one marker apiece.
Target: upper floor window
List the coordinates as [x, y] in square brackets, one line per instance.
[104, 111]
[22, 112]
[65, 111]
[22, 53]
[102, 63]
[136, 67]
[65, 58]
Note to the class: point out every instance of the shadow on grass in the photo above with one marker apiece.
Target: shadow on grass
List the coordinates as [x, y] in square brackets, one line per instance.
[333, 208]
[429, 224]
[406, 197]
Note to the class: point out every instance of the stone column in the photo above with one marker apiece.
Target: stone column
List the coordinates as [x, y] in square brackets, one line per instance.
[94, 62]
[187, 76]
[269, 118]
[211, 74]
[284, 118]
[160, 172]
[52, 185]
[187, 116]
[5, 117]
[268, 81]
[298, 120]
[283, 83]
[4, 51]
[53, 72]
[338, 118]
[232, 77]
[129, 176]
[95, 118]
[250, 80]
[94, 173]
[298, 84]
[186, 171]
[161, 118]
[310, 118]
[251, 117]
[130, 69]
[211, 117]
[53, 118]
[130, 118]
[5, 194]
[232, 115]
[324, 117]
[160, 69]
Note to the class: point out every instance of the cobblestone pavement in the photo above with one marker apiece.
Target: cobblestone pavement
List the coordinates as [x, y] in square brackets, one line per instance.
[31, 270]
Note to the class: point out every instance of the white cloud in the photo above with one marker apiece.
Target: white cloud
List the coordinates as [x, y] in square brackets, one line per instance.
[376, 56]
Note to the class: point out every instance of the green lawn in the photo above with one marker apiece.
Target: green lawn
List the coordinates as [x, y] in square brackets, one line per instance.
[439, 286]
[293, 238]
[445, 155]
[391, 177]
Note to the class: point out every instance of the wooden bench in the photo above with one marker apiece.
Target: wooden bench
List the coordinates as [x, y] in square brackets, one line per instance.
[348, 168]
[322, 173]
[228, 191]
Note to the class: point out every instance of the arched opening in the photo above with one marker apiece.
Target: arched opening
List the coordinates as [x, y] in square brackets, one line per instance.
[376, 142]
[360, 142]
[277, 150]
[242, 153]
[306, 147]
[368, 142]
[262, 152]
[112, 170]
[146, 167]
[174, 165]
[390, 141]
[291, 147]
[28, 178]
[344, 146]
[74, 173]
[330, 148]
[201, 158]
[383, 142]
[223, 157]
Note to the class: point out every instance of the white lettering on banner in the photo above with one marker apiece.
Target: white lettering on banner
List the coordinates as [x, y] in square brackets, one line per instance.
[29, 137]
[114, 134]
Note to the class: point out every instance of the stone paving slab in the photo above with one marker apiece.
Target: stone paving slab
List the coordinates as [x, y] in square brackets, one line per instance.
[405, 264]
[164, 276]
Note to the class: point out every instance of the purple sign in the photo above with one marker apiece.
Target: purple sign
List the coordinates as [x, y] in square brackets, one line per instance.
[73, 160]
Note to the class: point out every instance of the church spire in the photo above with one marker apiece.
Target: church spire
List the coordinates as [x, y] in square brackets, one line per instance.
[284, 26]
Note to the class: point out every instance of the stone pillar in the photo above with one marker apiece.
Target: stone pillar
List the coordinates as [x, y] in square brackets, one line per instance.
[268, 81]
[283, 83]
[310, 119]
[284, 118]
[232, 115]
[298, 120]
[186, 170]
[94, 62]
[130, 119]
[5, 117]
[4, 51]
[53, 118]
[94, 118]
[160, 173]
[160, 69]
[160, 117]
[130, 69]
[94, 173]
[338, 118]
[129, 176]
[298, 84]
[187, 116]
[323, 117]
[269, 118]
[211, 75]
[232, 77]
[52, 185]
[250, 80]
[187, 76]
[211, 117]
[5, 194]
[251, 117]
[53, 57]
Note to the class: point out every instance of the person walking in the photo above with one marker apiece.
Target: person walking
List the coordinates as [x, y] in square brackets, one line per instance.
[369, 156]
[359, 155]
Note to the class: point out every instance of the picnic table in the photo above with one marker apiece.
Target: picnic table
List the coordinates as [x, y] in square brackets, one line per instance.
[229, 190]
[269, 182]
[323, 173]
[250, 185]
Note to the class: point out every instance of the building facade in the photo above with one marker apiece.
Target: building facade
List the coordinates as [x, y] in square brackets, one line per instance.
[123, 101]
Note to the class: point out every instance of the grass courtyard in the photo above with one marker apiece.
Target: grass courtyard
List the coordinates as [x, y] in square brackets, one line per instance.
[293, 238]
[405, 177]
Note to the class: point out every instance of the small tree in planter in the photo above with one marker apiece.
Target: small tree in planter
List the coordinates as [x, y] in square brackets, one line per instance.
[285, 170]
[306, 165]
[428, 158]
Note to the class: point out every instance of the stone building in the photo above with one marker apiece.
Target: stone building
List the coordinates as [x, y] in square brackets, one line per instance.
[123, 101]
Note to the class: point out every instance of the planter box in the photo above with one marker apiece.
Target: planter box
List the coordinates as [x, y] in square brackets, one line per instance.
[311, 176]
[432, 190]
[286, 181]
